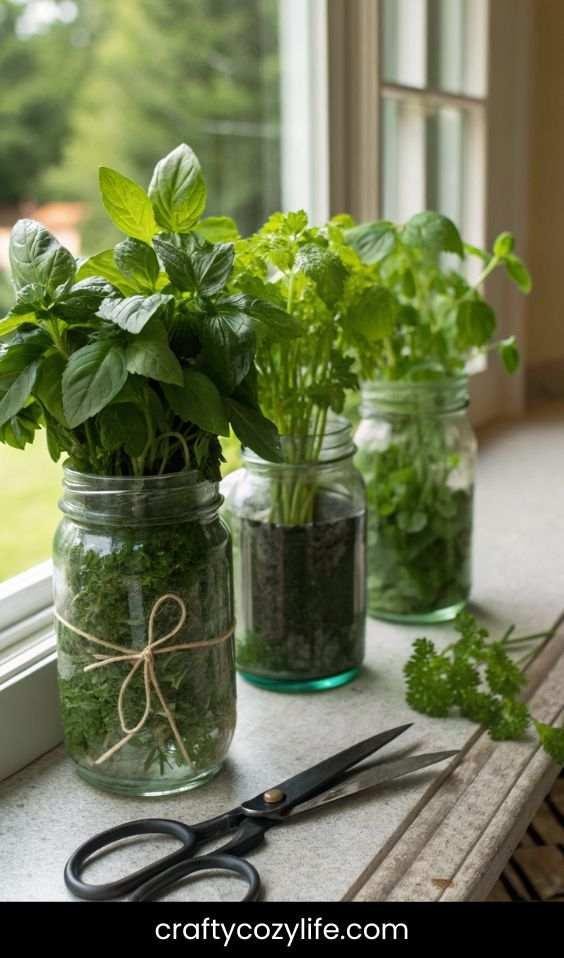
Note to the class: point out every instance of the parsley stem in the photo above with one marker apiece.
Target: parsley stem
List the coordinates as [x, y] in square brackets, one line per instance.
[527, 638]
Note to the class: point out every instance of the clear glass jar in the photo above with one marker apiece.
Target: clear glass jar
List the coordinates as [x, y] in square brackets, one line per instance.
[124, 545]
[299, 555]
[417, 453]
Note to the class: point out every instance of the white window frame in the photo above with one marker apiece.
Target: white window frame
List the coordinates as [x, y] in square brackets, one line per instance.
[330, 130]
[29, 716]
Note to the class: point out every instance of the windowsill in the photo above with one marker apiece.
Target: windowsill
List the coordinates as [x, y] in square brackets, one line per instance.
[519, 555]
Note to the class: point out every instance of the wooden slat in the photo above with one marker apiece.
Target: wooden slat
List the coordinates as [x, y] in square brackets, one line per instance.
[459, 842]
[536, 869]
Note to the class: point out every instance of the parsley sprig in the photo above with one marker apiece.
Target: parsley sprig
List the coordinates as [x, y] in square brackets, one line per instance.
[481, 678]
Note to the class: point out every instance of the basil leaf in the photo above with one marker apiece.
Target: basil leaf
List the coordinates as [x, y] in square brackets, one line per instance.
[177, 190]
[37, 258]
[92, 377]
[247, 390]
[373, 313]
[519, 273]
[477, 252]
[270, 320]
[138, 263]
[18, 392]
[103, 265]
[254, 430]
[30, 300]
[13, 320]
[30, 334]
[212, 266]
[217, 229]
[372, 241]
[433, 233]
[475, 322]
[148, 354]
[20, 429]
[133, 313]
[199, 401]
[30, 297]
[17, 355]
[229, 342]
[132, 392]
[175, 251]
[124, 426]
[503, 245]
[48, 388]
[509, 353]
[127, 205]
[84, 299]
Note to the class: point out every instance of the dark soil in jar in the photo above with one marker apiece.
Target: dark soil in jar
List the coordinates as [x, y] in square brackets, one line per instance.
[303, 613]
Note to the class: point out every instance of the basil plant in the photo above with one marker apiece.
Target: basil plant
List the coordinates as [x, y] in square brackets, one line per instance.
[136, 360]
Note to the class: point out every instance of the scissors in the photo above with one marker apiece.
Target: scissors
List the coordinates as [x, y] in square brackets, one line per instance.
[246, 824]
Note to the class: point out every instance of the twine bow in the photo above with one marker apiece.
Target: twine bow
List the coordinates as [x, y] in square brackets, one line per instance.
[144, 657]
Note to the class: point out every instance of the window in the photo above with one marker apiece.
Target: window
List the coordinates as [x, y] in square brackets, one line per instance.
[94, 82]
[378, 107]
[433, 74]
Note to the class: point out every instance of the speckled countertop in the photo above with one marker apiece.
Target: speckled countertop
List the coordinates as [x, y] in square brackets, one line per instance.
[46, 810]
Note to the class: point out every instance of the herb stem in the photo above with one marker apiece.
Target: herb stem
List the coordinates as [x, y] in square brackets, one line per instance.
[57, 337]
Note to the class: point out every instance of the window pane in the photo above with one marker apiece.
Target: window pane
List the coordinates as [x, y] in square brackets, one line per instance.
[441, 44]
[92, 82]
[433, 158]
[403, 158]
[455, 158]
[403, 41]
[457, 46]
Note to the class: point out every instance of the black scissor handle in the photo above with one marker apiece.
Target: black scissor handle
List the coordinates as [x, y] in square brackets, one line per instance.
[123, 886]
[155, 887]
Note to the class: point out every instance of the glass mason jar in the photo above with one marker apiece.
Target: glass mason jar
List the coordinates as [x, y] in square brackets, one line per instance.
[299, 555]
[417, 452]
[144, 608]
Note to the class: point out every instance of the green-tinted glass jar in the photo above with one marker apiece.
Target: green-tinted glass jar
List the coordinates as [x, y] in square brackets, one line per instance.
[417, 452]
[299, 555]
[123, 546]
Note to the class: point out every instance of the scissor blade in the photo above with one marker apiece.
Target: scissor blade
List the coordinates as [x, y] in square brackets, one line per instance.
[373, 776]
[313, 780]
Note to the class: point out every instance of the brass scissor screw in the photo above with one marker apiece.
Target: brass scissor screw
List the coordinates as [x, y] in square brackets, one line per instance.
[273, 796]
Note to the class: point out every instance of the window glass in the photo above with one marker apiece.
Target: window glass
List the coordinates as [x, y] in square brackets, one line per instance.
[432, 117]
[99, 82]
[457, 46]
[404, 42]
[439, 44]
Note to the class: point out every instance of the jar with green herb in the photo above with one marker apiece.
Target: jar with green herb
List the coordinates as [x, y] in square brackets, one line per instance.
[135, 362]
[144, 609]
[299, 525]
[299, 539]
[417, 453]
[416, 447]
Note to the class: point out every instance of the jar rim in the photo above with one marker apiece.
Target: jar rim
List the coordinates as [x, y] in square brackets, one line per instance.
[192, 475]
[336, 444]
[439, 382]
[138, 500]
[444, 394]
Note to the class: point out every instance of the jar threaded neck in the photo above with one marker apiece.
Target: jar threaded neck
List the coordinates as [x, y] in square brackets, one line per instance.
[431, 397]
[334, 444]
[138, 500]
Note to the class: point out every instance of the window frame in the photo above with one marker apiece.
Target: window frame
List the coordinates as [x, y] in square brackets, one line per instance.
[354, 89]
[339, 71]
